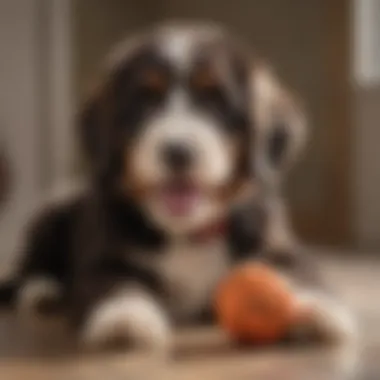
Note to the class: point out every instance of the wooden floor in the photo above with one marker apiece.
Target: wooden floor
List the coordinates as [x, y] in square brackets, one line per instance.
[49, 352]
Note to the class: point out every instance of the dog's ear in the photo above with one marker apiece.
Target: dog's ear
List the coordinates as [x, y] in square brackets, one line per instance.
[280, 126]
[95, 120]
[98, 115]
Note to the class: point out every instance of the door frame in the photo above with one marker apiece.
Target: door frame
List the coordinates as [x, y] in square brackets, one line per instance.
[333, 223]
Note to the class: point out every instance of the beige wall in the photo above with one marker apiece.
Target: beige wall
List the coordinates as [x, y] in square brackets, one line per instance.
[367, 166]
[97, 25]
[21, 113]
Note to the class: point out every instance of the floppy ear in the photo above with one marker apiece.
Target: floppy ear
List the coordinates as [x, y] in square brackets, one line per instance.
[99, 114]
[95, 120]
[280, 126]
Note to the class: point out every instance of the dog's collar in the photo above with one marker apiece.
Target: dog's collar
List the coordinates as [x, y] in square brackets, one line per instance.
[209, 232]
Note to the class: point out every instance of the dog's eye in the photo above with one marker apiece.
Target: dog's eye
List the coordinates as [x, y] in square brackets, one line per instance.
[207, 89]
[204, 80]
[153, 81]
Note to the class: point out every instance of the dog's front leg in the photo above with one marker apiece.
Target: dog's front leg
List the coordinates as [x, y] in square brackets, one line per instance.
[122, 309]
[129, 314]
[323, 316]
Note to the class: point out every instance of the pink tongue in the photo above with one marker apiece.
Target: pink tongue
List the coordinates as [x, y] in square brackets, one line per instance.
[179, 200]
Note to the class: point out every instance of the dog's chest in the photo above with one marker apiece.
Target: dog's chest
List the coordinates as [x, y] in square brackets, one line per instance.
[190, 273]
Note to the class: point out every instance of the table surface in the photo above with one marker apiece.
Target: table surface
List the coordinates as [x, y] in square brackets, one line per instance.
[48, 352]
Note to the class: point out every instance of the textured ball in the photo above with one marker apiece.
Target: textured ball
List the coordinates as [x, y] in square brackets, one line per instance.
[255, 305]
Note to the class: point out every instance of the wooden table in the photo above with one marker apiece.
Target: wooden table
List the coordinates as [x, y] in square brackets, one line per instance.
[49, 352]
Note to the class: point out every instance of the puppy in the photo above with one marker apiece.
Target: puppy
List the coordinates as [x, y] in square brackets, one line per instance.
[187, 137]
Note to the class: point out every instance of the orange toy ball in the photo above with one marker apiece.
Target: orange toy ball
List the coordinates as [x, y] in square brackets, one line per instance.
[255, 305]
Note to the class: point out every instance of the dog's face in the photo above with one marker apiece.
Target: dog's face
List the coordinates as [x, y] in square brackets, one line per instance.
[172, 125]
[191, 127]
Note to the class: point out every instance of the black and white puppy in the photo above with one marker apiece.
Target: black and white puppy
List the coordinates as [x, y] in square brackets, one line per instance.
[186, 136]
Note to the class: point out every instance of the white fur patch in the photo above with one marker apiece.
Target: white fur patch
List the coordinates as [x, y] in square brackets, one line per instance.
[279, 234]
[178, 48]
[325, 319]
[35, 290]
[178, 40]
[191, 272]
[129, 314]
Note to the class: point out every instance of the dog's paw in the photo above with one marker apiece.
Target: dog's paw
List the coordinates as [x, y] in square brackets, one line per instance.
[39, 296]
[131, 316]
[323, 319]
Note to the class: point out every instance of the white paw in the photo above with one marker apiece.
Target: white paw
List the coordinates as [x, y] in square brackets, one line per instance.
[36, 291]
[130, 315]
[324, 319]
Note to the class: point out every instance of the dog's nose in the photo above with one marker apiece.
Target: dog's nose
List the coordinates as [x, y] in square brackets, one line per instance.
[177, 156]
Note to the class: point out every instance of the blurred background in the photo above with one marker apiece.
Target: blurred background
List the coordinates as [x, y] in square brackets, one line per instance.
[328, 51]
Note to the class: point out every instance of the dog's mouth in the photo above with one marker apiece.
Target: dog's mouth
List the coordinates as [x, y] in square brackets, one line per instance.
[179, 198]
